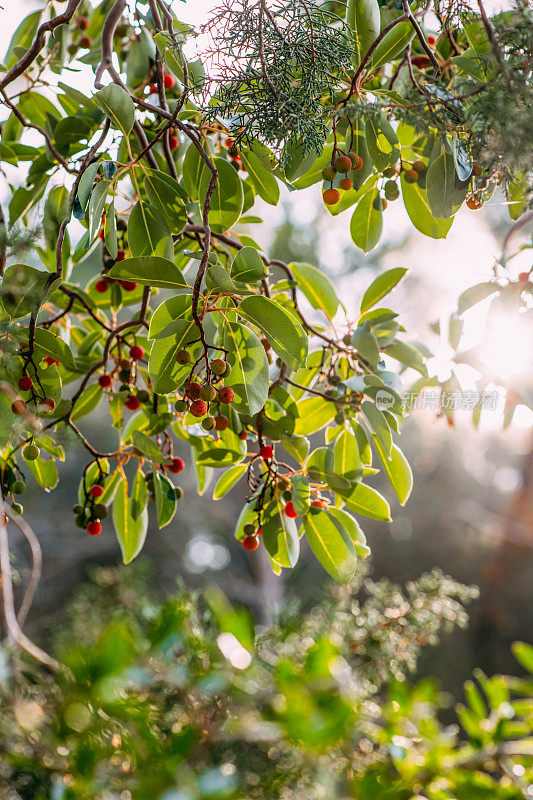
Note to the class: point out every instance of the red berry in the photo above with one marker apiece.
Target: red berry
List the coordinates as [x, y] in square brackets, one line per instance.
[259, 531]
[267, 451]
[136, 352]
[121, 255]
[49, 403]
[173, 142]
[243, 435]
[177, 465]
[128, 286]
[96, 491]
[432, 41]
[229, 142]
[101, 285]
[523, 278]
[169, 81]
[105, 381]
[358, 164]
[49, 360]
[94, 528]
[331, 197]
[198, 408]
[25, 383]
[82, 24]
[101, 235]
[18, 407]
[226, 395]
[289, 510]
[250, 543]
[153, 88]
[318, 503]
[266, 344]
[221, 423]
[193, 390]
[132, 403]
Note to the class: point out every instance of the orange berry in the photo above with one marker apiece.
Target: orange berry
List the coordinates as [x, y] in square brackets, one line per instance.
[331, 197]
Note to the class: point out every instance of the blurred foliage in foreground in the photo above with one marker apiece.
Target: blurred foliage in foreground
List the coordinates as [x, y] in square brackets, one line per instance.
[184, 700]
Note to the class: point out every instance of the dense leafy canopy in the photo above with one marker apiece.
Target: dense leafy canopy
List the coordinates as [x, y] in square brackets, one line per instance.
[189, 330]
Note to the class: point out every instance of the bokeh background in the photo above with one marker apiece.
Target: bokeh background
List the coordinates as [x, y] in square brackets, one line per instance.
[471, 511]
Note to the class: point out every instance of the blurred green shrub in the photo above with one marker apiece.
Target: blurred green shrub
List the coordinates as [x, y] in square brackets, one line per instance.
[185, 700]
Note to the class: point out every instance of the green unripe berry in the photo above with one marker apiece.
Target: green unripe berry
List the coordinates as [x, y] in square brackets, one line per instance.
[248, 529]
[80, 521]
[331, 393]
[347, 338]
[334, 380]
[390, 172]
[77, 509]
[342, 164]
[329, 173]
[287, 495]
[180, 406]
[391, 190]
[143, 396]
[208, 423]
[218, 366]
[377, 204]
[178, 492]
[31, 452]
[339, 417]
[208, 393]
[183, 357]
[19, 487]
[17, 509]
[124, 375]
[100, 511]
[124, 389]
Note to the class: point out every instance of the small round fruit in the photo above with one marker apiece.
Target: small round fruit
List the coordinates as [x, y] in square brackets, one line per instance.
[82, 24]
[524, 277]
[94, 528]
[77, 509]
[346, 184]
[86, 42]
[357, 161]
[101, 511]
[250, 543]
[198, 408]
[124, 363]
[178, 492]
[183, 357]
[80, 521]
[266, 344]
[105, 380]
[347, 339]
[226, 395]
[208, 423]
[420, 167]
[168, 81]
[377, 203]
[173, 142]
[431, 41]
[342, 164]
[128, 286]
[25, 383]
[290, 511]
[101, 285]
[19, 487]
[221, 422]
[318, 504]
[331, 197]
[18, 407]
[132, 403]
[411, 176]
[143, 396]
[267, 451]
[180, 406]
[49, 361]
[193, 390]
[390, 172]
[218, 366]
[136, 352]
[178, 465]
[153, 88]
[248, 528]
[473, 202]
[17, 509]
[31, 452]
[391, 190]
[208, 392]
[287, 495]
[329, 173]
[96, 491]
[124, 375]
[243, 436]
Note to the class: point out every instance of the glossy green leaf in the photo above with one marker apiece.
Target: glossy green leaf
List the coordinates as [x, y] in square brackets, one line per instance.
[398, 470]
[227, 198]
[150, 271]
[317, 287]
[368, 502]
[249, 367]
[248, 266]
[417, 206]
[165, 499]
[265, 184]
[381, 286]
[366, 223]
[331, 544]
[118, 106]
[362, 16]
[228, 479]
[280, 327]
[131, 533]
[280, 535]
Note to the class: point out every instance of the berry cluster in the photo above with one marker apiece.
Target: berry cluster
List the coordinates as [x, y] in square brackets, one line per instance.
[341, 163]
[198, 397]
[126, 373]
[90, 514]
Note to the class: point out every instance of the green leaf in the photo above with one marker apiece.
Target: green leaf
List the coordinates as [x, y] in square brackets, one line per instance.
[379, 425]
[56, 210]
[249, 366]
[346, 454]
[300, 494]
[193, 166]
[22, 38]
[315, 413]
[165, 373]
[86, 183]
[398, 470]
[150, 271]
[96, 208]
[23, 289]
[48, 344]
[351, 526]
[166, 195]
[416, 204]
[228, 479]
[381, 141]
[165, 499]
[146, 446]
[317, 287]
[366, 345]
[366, 223]
[118, 106]
[280, 535]
[147, 231]
[524, 654]
[264, 183]
[381, 286]
[282, 330]
[362, 16]
[248, 266]
[87, 402]
[393, 43]
[131, 533]
[408, 355]
[475, 294]
[368, 502]
[177, 307]
[227, 198]
[331, 544]
[110, 230]
[444, 197]
[44, 472]
[139, 495]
